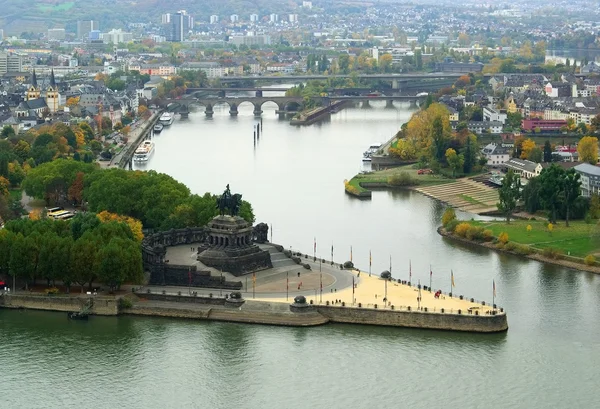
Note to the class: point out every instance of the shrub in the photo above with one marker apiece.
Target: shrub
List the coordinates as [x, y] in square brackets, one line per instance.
[488, 235]
[449, 215]
[51, 291]
[401, 179]
[503, 237]
[125, 303]
[522, 249]
[451, 226]
[462, 229]
[475, 233]
[552, 253]
[500, 245]
[306, 266]
[510, 246]
[589, 260]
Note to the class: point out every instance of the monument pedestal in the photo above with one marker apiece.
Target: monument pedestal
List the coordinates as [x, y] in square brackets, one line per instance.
[229, 247]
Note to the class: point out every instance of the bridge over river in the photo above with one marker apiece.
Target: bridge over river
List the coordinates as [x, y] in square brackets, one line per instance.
[284, 103]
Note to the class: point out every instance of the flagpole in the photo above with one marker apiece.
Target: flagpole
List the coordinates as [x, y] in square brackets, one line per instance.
[409, 272]
[332, 253]
[430, 275]
[493, 295]
[419, 297]
[271, 232]
[353, 289]
[351, 254]
[287, 285]
[321, 281]
[385, 293]
[315, 248]
[370, 260]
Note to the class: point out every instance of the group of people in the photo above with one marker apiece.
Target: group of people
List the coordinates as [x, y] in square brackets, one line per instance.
[438, 293]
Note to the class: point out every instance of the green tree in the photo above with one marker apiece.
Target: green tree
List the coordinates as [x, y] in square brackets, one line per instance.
[7, 131]
[454, 161]
[535, 155]
[547, 152]
[551, 184]
[84, 260]
[21, 263]
[509, 194]
[531, 195]
[570, 191]
[470, 153]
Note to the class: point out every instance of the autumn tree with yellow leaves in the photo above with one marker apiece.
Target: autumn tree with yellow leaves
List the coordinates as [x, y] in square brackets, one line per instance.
[134, 224]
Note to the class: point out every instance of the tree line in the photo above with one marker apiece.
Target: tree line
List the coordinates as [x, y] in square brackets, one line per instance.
[80, 251]
[555, 190]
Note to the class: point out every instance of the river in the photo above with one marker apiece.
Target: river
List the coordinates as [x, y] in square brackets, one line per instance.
[294, 179]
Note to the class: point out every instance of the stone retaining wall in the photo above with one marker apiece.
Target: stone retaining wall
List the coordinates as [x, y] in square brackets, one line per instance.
[101, 305]
[414, 319]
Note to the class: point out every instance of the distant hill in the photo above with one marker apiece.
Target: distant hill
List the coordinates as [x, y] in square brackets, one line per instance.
[18, 16]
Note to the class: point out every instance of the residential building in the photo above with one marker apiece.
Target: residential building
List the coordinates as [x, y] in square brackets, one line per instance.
[490, 114]
[293, 18]
[253, 18]
[307, 4]
[214, 19]
[56, 34]
[84, 27]
[234, 18]
[495, 154]
[557, 90]
[590, 179]
[179, 26]
[480, 127]
[162, 70]
[11, 62]
[543, 124]
[116, 36]
[526, 169]
[591, 68]
[273, 18]
[94, 35]
[165, 18]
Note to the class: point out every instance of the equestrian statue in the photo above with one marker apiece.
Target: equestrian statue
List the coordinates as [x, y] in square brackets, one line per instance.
[230, 202]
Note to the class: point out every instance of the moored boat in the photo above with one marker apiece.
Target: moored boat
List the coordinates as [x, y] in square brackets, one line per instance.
[143, 152]
[166, 119]
[158, 127]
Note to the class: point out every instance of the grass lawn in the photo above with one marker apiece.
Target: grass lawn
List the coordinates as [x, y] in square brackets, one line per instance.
[579, 239]
[471, 200]
[382, 176]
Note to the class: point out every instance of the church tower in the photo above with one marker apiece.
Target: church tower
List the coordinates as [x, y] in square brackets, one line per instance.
[52, 95]
[33, 92]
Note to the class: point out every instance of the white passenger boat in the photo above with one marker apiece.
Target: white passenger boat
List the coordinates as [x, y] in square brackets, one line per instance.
[166, 118]
[143, 152]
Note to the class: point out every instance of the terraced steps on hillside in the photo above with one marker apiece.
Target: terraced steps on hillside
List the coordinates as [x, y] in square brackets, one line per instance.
[464, 194]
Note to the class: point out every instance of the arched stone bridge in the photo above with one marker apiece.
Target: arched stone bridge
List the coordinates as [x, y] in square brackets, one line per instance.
[283, 104]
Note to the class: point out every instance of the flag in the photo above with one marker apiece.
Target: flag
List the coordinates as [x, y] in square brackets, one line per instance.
[370, 258]
[352, 288]
[494, 287]
[287, 283]
[332, 252]
[350, 253]
[321, 279]
[390, 264]
[254, 277]
[190, 276]
[315, 245]
[409, 270]
[430, 272]
[452, 278]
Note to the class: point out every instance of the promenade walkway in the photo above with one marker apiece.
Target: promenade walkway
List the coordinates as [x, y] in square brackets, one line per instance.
[282, 284]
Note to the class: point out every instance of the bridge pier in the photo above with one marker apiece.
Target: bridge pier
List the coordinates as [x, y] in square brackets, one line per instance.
[395, 84]
[233, 110]
[209, 111]
[389, 103]
[257, 109]
[258, 93]
[365, 104]
[413, 103]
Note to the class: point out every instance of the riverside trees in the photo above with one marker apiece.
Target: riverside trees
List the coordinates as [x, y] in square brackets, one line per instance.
[53, 250]
[428, 136]
[509, 194]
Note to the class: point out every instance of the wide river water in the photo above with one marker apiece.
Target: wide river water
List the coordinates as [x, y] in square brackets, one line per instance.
[294, 179]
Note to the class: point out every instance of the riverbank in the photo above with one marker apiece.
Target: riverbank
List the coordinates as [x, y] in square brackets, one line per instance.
[403, 176]
[477, 319]
[527, 251]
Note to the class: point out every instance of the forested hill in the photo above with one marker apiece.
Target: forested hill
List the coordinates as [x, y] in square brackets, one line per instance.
[18, 16]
